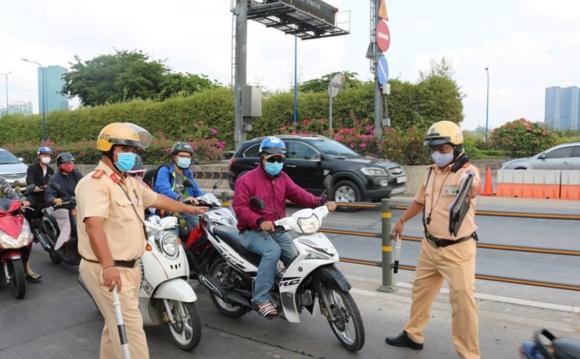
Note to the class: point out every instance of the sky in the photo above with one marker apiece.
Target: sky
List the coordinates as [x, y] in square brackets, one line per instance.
[528, 45]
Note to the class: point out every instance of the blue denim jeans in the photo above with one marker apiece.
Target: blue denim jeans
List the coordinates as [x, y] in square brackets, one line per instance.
[272, 247]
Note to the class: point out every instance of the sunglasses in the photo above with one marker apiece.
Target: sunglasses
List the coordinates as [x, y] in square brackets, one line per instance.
[276, 159]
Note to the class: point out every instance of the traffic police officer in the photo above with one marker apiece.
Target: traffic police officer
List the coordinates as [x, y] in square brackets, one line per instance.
[111, 235]
[444, 256]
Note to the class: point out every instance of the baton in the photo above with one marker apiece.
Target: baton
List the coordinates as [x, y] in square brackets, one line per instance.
[397, 253]
[120, 324]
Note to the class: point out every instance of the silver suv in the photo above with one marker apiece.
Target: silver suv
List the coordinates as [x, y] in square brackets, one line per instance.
[11, 168]
[561, 157]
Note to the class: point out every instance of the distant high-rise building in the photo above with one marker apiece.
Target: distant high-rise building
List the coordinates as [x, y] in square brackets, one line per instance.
[24, 108]
[50, 85]
[562, 108]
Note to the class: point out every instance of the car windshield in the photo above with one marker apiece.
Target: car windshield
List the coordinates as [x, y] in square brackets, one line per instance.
[334, 148]
[7, 158]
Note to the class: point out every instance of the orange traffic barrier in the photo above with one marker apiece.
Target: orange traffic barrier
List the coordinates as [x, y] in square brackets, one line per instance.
[528, 184]
[488, 186]
[570, 188]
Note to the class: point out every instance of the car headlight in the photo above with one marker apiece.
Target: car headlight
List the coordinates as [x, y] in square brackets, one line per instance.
[169, 244]
[373, 171]
[308, 225]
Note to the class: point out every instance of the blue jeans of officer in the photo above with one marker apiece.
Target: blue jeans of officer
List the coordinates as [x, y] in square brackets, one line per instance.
[272, 247]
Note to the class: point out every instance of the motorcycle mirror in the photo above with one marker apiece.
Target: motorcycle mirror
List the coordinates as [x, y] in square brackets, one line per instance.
[327, 182]
[256, 203]
[28, 189]
[187, 183]
[327, 185]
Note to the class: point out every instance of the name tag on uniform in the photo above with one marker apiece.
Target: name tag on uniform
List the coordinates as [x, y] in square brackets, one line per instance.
[450, 190]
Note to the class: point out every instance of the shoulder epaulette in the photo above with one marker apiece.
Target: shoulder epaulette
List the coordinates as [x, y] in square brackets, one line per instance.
[98, 174]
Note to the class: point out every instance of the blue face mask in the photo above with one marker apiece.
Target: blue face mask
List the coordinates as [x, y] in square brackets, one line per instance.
[125, 161]
[442, 159]
[183, 162]
[273, 168]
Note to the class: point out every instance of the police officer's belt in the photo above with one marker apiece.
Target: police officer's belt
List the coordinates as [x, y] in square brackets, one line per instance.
[439, 242]
[124, 264]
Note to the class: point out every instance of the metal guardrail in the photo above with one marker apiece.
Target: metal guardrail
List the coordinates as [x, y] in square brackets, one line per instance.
[508, 214]
[386, 214]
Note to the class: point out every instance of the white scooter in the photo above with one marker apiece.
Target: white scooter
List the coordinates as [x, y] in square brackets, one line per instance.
[228, 270]
[165, 295]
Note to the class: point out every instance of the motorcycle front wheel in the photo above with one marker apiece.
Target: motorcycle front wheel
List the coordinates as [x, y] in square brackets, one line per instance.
[186, 331]
[17, 278]
[344, 317]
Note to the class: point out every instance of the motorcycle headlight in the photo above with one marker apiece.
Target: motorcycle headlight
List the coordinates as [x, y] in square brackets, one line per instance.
[169, 244]
[373, 171]
[308, 225]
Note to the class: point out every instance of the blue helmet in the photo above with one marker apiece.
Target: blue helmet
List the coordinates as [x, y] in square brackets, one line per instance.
[43, 150]
[272, 145]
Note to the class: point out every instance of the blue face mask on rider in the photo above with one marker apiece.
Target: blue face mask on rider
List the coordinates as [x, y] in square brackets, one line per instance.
[183, 162]
[273, 165]
[125, 161]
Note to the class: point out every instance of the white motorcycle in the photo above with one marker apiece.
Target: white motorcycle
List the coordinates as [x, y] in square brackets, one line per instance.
[165, 295]
[228, 270]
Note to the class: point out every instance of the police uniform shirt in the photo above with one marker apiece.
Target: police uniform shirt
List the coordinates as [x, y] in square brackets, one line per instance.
[437, 196]
[121, 202]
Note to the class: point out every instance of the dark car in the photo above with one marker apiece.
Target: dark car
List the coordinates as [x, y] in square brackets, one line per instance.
[310, 159]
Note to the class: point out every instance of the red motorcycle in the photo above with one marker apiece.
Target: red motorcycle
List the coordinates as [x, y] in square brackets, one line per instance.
[15, 236]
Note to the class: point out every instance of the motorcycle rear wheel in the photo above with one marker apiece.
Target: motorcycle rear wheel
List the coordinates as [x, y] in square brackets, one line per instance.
[221, 272]
[17, 278]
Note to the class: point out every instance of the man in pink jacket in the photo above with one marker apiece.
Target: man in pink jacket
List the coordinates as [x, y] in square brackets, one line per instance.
[273, 187]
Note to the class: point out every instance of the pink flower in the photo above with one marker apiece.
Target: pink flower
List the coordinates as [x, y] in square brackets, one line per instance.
[213, 131]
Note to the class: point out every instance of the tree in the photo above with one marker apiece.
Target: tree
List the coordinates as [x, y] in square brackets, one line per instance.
[178, 84]
[321, 84]
[128, 75]
[523, 138]
[122, 76]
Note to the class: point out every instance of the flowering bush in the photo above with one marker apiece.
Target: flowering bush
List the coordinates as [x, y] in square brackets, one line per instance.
[523, 138]
[204, 150]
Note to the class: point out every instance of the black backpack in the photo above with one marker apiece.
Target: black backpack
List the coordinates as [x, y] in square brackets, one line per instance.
[150, 176]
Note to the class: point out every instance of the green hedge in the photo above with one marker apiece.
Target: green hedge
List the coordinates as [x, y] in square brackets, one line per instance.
[182, 118]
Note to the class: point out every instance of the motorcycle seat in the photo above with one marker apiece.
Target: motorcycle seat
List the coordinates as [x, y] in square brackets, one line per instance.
[232, 237]
[566, 348]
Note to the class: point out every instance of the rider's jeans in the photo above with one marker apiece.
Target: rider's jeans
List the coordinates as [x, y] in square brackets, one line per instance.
[63, 221]
[272, 247]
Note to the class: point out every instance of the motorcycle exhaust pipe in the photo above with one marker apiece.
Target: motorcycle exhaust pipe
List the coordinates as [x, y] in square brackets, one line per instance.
[211, 285]
[43, 241]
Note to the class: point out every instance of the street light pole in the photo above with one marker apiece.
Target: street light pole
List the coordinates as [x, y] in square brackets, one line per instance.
[6, 82]
[487, 108]
[43, 81]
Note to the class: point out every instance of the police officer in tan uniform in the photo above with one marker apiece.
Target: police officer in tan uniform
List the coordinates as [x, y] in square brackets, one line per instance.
[111, 235]
[444, 256]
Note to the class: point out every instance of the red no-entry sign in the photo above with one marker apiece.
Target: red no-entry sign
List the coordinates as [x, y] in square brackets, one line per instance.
[383, 35]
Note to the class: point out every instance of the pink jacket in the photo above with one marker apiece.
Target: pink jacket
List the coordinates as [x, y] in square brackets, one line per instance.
[273, 191]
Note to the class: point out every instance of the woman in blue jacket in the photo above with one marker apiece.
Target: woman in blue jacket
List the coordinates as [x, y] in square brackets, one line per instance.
[175, 180]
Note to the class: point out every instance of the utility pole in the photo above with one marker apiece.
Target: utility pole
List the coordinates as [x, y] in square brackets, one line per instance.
[240, 77]
[295, 101]
[376, 54]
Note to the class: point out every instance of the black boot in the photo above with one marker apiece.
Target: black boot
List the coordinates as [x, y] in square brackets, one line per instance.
[403, 341]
